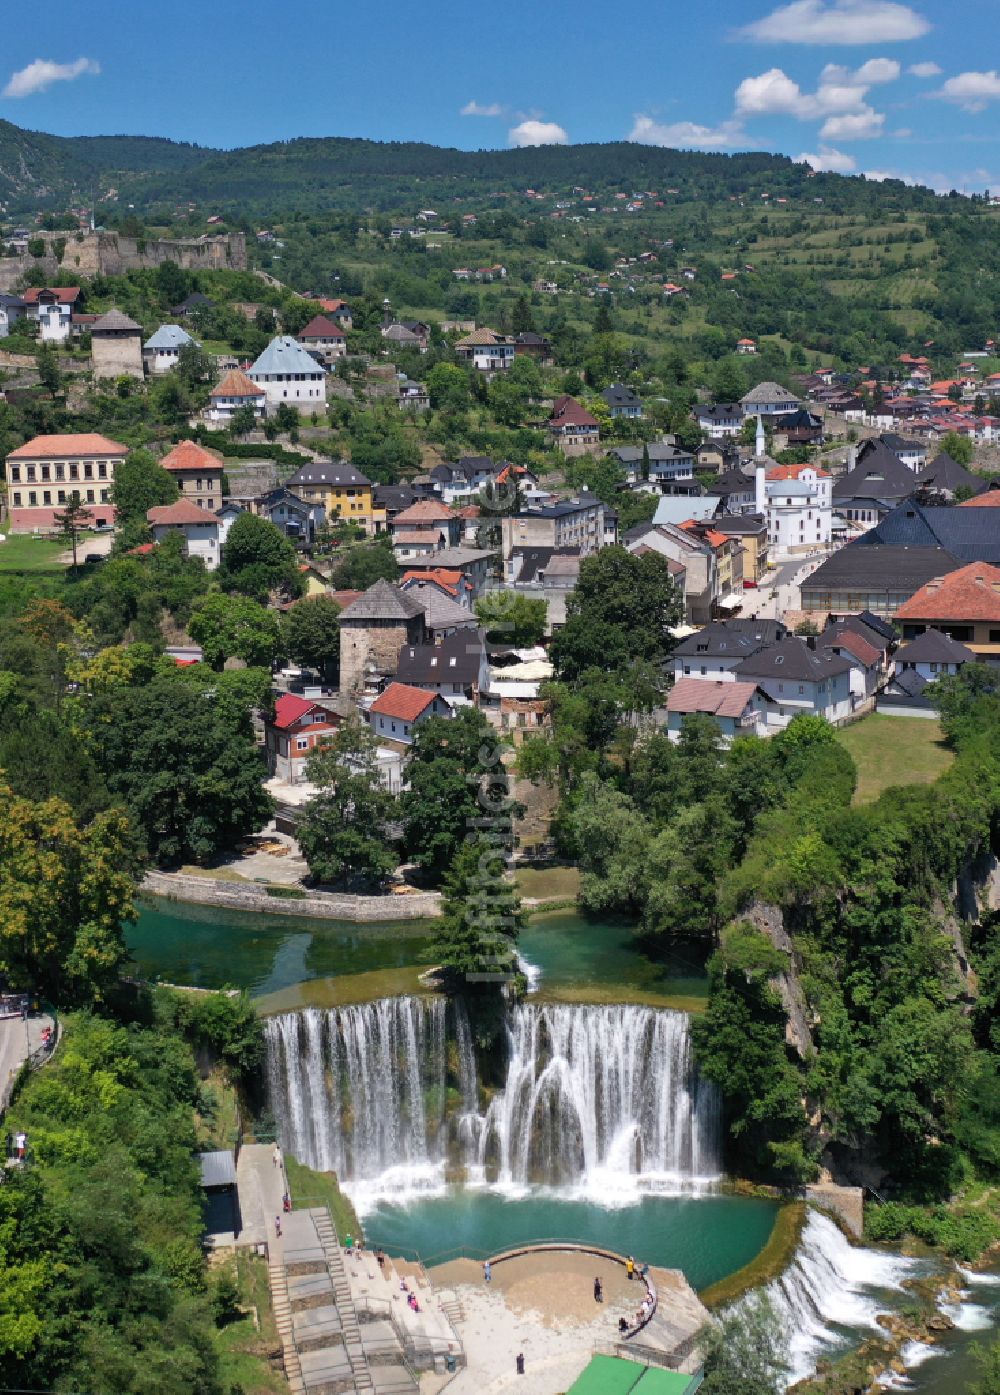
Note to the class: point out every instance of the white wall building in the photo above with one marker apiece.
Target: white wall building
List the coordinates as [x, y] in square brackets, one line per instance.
[798, 503]
[288, 374]
[800, 680]
[199, 528]
[162, 349]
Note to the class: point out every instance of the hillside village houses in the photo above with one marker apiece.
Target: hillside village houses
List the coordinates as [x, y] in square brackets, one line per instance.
[53, 308]
[199, 529]
[116, 346]
[12, 309]
[323, 337]
[289, 374]
[197, 474]
[46, 471]
[344, 493]
[233, 392]
[162, 350]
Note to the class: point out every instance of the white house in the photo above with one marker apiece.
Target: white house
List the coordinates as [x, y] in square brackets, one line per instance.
[12, 307]
[800, 679]
[720, 420]
[162, 349]
[798, 503]
[235, 390]
[199, 529]
[486, 350]
[768, 400]
[395, 713]
[737, 708]
[52, 307]
[932, 655]
[717, 649]
[290, 375]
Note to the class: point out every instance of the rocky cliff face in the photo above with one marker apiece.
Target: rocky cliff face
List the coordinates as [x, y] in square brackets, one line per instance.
[110, 254]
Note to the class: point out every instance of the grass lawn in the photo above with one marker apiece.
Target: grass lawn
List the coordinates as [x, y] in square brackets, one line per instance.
[544, 883]
[894, 751]
[310, 1188]
[21, 552]
[243, 1345]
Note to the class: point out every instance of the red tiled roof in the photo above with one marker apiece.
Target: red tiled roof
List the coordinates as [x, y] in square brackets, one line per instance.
[402, 702]
[424, 511]
[566, 411]
[416, 535]
[856, 645]
[989, 500]
[143, 550]
[60, 447]
[345, 598]
[470, 511]
[792, 472]
[289, 708]
[319, 327]
[330, 306]
[188, 455]
[65, 295]
[969, 594]
[237, 384]
[182, 511]
[445, 577]
[714, 696]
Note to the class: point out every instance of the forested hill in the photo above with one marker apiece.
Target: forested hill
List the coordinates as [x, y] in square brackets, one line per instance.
[39, 170]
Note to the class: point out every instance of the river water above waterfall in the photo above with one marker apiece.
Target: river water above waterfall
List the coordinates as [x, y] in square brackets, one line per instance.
[296, 961]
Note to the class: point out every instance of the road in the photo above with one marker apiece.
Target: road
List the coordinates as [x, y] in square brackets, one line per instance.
[18, 1038]
[779, 592]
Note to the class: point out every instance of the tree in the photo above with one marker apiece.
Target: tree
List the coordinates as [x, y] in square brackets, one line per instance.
[958, 447]
[312, 633]
[184, 765]
[745, 1350]
[49, 373]
[622, 610]
[611, 839]
[474, 943]
[235, 627]
[521, 319]
[258, 558]
[989, 1372]
[513, 619]
[72, 520]
[242, 421]
[65, 893]
[141, 484]
[194, 366]
[342, 832]
[456, 781]
[448, 388]
[362, 566]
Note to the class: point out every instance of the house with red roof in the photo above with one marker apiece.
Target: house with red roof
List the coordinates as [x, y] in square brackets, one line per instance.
[52, 308]
[576, 431]
[198, 527]
[737, 708]
[321, 335]
[964, 604]
[197, 474]
[44, 474]
[423, 529]
[395, 713]
[298, 726]
[746, 346]
[234, 391]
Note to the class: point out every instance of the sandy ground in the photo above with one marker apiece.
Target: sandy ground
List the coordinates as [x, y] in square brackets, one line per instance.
[541, 1305]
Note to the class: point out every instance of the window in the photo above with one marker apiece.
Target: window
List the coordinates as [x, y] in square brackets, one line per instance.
[302, 743]
[801, 689]
[88, 470]
[31, 472]
[102, 470]
[17, 501]
[61, 496]
[74, 472]
[90, 496]
[15, 474]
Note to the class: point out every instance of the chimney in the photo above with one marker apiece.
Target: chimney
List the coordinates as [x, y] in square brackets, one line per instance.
[760, 488]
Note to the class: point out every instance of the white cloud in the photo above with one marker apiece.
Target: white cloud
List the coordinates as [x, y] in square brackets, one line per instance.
[972, 91]
[838, 22]
[904, 133]
[878, 70]
[829, 161]
[858, 125]
[537, 133]
[482, 109]
[924, 70]
[686, 135]
[41, 74]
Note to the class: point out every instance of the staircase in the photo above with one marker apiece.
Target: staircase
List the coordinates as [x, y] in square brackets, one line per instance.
[345, 1303]
[283, 1319]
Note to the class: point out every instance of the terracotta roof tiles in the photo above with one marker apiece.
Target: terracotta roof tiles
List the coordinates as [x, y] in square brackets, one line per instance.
[971, 593]
[401, 701]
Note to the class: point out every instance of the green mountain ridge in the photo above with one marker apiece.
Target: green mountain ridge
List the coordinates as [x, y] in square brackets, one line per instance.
[41, 170]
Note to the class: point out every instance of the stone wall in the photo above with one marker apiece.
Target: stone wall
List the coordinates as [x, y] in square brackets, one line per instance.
[115, 355]
[179, 886]
[373, 647]
[846, 1204]
[110, 254]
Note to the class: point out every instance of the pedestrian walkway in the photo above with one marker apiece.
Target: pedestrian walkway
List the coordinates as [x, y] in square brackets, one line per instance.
[261, 1188]
[20, 1037]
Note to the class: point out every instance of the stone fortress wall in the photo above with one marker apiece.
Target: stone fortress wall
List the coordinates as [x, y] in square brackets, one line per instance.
[92, 254]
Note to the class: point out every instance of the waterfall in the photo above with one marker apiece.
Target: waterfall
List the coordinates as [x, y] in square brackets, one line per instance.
[830, 1284]
[603, 1098]
[387, 1094]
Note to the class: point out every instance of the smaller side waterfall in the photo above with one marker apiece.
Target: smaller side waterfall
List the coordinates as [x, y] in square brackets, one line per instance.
[830, 1284]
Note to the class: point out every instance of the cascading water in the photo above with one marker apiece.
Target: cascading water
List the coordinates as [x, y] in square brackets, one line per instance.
[830, 1284]
[606, 1098]
[386, 1094]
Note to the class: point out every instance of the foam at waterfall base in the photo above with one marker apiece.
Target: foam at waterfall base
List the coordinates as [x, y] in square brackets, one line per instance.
[969, 1317]
[830, 1286]
[402, 1186]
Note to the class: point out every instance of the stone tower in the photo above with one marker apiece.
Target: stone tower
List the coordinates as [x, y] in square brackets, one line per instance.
[373, 629]
[116, 346]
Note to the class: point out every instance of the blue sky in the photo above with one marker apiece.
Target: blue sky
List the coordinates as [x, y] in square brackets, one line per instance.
[911, 90]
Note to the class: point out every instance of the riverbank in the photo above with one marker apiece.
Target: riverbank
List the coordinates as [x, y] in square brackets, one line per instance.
[324, 905]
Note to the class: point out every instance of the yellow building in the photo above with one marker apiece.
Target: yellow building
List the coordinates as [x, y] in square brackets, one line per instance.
[343, 491]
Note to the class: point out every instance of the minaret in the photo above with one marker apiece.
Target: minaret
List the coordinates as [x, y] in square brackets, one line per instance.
[761, 443]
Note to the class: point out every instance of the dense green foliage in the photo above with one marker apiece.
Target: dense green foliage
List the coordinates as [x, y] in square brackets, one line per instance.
[744, 1350]
[343, 829]
[102, 1280]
